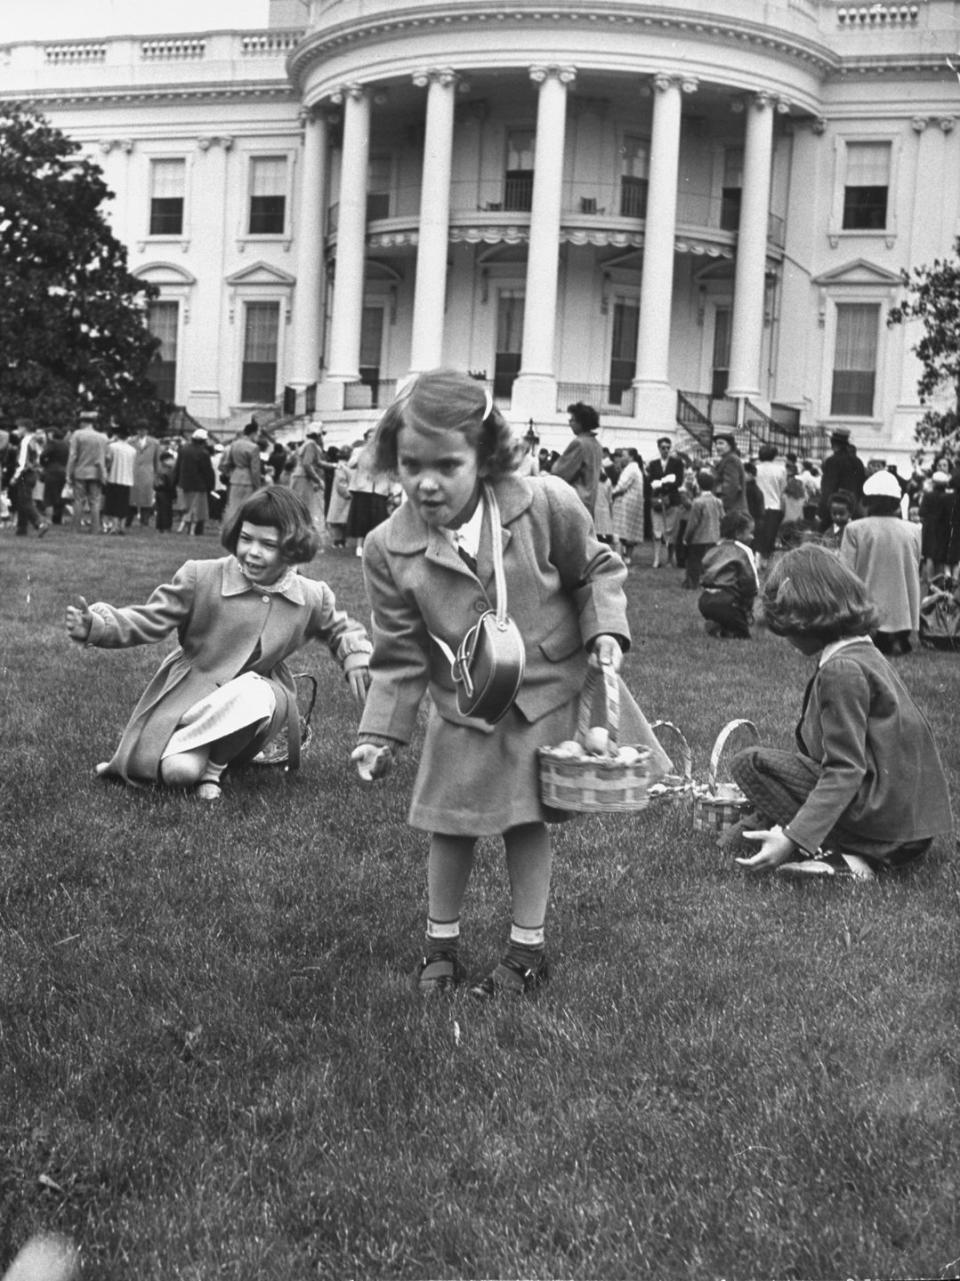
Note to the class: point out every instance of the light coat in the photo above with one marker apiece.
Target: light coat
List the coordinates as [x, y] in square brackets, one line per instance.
[565, 587]
[885, 552]
[225, 627]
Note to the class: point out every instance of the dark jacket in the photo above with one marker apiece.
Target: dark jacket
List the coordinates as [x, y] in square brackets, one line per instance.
[729, 566]
[194, 469]
[882, 782]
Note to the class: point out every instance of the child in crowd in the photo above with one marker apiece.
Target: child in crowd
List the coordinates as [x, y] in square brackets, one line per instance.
[428, 572]
[842, 507]
[24, 503]
[866, 791]
[225, 692]
[165, 492]
[703, 526]
[729, 579]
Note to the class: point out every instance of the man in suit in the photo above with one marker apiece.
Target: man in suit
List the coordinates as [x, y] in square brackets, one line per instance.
[665, 475]
[87, 470]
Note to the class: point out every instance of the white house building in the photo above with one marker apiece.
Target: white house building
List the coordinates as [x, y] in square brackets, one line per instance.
[683, 213]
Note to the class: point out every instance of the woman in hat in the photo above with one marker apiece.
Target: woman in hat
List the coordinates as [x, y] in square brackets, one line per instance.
[195, 477]
[884, 551]
[936, 516]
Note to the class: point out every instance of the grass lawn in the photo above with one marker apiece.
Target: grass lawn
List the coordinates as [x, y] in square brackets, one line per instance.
[212, 1065]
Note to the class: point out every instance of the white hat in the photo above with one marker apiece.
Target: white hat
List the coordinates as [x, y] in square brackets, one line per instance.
[882, 484]
[199, 434]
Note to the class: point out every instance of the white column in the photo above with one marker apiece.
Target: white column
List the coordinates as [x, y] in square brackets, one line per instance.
[535, 391]
[310, 220]
[430, 288]
[653, 396]
[746, 344]
[351, 238]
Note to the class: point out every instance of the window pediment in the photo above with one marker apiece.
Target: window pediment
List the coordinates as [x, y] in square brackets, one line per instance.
[165, 273]
[859, 272]
[262, 273]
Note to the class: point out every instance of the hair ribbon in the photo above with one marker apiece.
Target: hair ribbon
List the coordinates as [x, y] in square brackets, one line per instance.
[487, 403]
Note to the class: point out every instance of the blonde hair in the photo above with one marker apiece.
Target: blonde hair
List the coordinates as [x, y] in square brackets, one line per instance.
[440, 400]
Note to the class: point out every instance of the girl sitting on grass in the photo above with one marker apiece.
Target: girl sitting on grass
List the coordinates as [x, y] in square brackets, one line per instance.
[866, 790]
[225, 692]
[450, 448]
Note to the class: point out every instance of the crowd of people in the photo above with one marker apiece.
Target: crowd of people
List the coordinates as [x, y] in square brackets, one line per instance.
[104, 478]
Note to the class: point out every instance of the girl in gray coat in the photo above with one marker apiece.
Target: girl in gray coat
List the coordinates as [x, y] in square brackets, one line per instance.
[226, 691]
[429, 573]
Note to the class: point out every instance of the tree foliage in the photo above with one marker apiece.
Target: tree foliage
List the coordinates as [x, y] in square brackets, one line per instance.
[72, 317]
[934, 300]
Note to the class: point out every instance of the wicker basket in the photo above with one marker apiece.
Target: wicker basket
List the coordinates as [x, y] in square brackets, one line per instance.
[718, 806]
[673, 789]
[596, 784]
[277, 751]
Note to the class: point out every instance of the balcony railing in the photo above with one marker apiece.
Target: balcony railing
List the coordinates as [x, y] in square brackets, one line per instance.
[606, 399]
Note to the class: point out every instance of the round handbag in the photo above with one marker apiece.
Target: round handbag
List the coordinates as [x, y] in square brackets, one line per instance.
[488, 665]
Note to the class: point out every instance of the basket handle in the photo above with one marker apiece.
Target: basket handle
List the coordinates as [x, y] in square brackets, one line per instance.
[611, 698]
[719, 745]
[686, 755]
[307, 676]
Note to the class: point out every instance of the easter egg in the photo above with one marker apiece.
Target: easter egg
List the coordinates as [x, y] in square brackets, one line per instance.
[628, 755]
[596, 741]
[569, 748]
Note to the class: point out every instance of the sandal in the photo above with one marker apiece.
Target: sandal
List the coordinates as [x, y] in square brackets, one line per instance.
[512, 978]
[439, 971]
[209, 791]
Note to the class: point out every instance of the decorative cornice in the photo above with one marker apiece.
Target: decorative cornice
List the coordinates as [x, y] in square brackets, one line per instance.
[169, 95]
[361, 32]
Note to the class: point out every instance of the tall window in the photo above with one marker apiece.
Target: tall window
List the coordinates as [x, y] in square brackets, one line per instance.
[855, 359]
[168, 179]
[721, 351]
[261, 332]
[518, 178]
[866, 185]
[268, 195]
[623, 352]
[371, 345]
[162, 320]
[634, 176]
[378, 187]
[732, 190]
[509, 342]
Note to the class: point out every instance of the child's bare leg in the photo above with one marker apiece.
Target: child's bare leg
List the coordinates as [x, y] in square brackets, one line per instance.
[523, 967]
[184, 769]
[449, 865]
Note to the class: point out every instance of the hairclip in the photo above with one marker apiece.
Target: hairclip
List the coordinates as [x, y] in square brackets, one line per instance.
[487, 403]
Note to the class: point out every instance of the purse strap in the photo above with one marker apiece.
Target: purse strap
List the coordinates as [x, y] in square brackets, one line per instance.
[499, 577]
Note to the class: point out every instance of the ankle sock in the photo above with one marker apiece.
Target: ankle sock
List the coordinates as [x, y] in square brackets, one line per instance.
[526, 945]
[443, 936]
[212, 772]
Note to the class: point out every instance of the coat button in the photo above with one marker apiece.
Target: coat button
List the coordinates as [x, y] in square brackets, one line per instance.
[266, 600]
[480, 606]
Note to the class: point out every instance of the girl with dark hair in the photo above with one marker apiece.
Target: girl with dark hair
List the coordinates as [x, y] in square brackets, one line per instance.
[866, 788]
[429, 572]
[226, 691]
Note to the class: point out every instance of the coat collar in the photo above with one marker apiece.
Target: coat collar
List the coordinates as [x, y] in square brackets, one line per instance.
[406, 534]
[234, 583]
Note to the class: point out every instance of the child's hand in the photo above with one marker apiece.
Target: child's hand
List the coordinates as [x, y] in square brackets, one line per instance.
[79, 621]
[372, 761]
[358, 678]
[606, 652]
[776, 849]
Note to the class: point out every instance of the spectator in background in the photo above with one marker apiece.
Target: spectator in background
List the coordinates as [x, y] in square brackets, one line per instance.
[53, 473]
[370, 493]
[276, 461]
[755, 501]
[165, 491]
[627, 498]
[842, 510]
[195, 476]
[729, 478]
[87, 470]
[843, 469]
[306, 480]
[240, 468]
[603, 513]
[703, 526]
[665, 477]
[146, 466]
[580, 463]
[884, 551]
[338, 509]
[771, 482]
[729, 580]
[121, 457]
[809, 476]
[936, 515]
